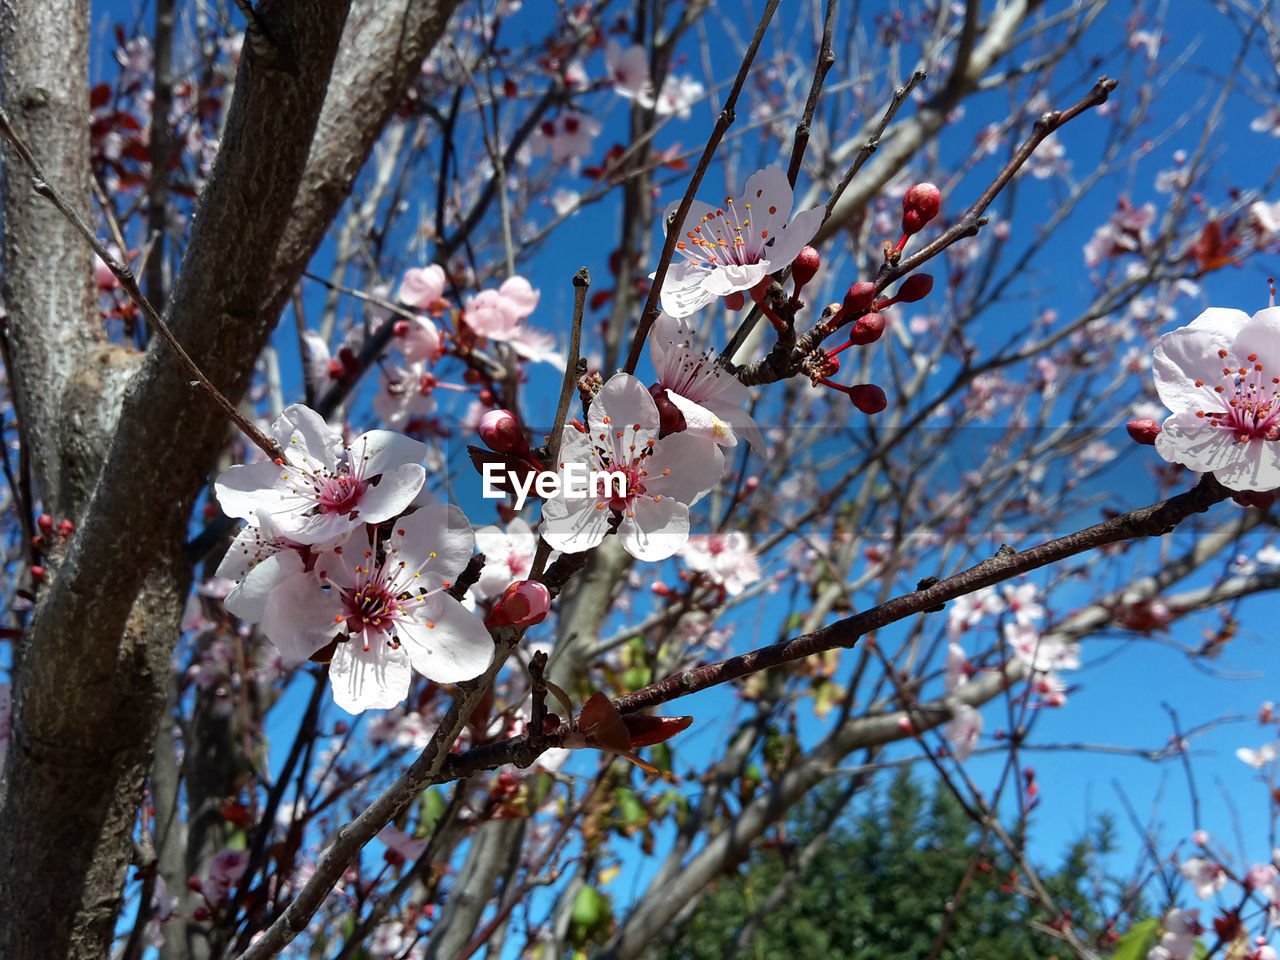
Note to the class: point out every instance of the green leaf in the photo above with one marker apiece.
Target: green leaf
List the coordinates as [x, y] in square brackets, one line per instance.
[1135, 944]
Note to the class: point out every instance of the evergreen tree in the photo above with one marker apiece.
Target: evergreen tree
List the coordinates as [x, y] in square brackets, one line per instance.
[879, 888]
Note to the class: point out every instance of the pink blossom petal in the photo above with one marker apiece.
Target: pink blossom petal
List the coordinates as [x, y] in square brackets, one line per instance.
[373, 679]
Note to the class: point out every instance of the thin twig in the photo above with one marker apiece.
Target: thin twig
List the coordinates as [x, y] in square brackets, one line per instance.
[127, 280]
[650, 312]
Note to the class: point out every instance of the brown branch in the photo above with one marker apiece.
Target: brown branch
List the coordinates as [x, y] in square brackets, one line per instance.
[650, 312]
[42, 186]
[1155, 520]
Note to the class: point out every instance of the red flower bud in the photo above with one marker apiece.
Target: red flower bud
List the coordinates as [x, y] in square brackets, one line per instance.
[867, 329]
[194, 884]
[805, 266]
[670, 419]
[37, 572]
[1262, 499]
[1143, 431]
[522, 604]
[920, 204]
[65, 528]
[502, 433]
[915, 287]
[868, 398]
[45, 523]
[859, 298]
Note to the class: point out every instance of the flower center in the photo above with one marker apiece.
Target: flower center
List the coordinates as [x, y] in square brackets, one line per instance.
[338, 493]
[1250, 401]
[723, 238]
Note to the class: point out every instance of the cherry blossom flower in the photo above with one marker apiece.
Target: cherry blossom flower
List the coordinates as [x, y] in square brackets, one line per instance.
[1269, 122]
[162, 906]
[629, 70]
[710, 399]
[405, 394]
[726, 558]
[1022, 601]
[508, 556]
[421, 286]
[735, 246]
[1181, 927]
[257, 561]
[386, 607]
[419, 340]
[663, 477]
[497, 314]
[320, 492]
[1041, 653]
[401, 844]
[226, 867]
[963, 730]
[567, 138]
[677, 96]
[1219, 377]
[1047, 159]
[537, 346]
[1258, 758]
[1207, 877]
[968, 611]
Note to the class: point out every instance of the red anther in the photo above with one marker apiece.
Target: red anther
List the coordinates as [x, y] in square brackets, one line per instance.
[486, 397]
[509, 88]
[37, 572]
[1143, 431]
[660, 589]
[401, 328]
[915, 287]
[501, 432]
[858, 299]
[868, 398]
[735, 301]
[867, 329]
[45, 523]
[920, 204]
[65, 528]
[804, 267]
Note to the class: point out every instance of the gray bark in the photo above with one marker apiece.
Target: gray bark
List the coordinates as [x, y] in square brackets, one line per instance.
[92, 671]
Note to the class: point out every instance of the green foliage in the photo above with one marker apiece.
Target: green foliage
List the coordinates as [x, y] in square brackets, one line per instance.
[878, 890]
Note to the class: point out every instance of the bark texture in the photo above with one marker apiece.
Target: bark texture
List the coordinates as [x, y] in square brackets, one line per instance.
[92, 671]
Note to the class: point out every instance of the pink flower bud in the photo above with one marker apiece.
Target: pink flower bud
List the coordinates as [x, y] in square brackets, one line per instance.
[501, 432]
[1201, 838]
[920, 204]
[751, 484]
[868, 398]
[522, 604]
[867, 329]
[1143, 431]
[805, 266]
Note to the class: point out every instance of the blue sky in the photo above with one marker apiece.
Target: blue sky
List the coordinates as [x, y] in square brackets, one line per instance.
[1123, 681]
